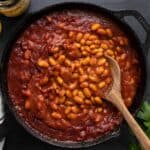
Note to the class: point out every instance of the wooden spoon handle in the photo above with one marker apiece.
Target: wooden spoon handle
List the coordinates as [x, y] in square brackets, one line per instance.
[139, 133]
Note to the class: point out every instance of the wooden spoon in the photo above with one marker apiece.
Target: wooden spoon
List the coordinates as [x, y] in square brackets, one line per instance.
[113, 95]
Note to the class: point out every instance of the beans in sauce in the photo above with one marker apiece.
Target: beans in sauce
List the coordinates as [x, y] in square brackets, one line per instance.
[58, 72]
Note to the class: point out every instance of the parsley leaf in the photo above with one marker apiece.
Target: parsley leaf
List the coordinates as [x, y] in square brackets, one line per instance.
[143, 117]
[144, 112]
[134, 146]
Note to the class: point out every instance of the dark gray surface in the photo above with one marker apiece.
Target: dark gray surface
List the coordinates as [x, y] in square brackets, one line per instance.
[143, 6]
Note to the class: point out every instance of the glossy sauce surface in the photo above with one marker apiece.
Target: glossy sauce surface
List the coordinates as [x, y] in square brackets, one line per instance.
[57, 74]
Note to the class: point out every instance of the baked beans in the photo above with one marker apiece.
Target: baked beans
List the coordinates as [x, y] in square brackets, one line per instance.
[58, 72]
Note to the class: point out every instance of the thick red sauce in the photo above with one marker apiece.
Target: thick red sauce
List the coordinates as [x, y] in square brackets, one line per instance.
[42, 84]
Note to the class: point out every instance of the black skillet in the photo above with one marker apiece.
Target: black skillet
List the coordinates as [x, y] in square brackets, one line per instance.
[117, 16]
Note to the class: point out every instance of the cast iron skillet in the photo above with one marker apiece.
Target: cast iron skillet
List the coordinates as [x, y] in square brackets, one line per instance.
[117, 16]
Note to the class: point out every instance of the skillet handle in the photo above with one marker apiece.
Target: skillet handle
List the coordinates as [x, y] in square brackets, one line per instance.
[122, 13]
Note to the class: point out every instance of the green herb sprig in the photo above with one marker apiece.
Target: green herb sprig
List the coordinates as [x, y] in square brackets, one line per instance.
[143, 117]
